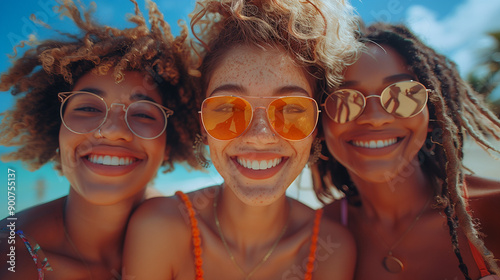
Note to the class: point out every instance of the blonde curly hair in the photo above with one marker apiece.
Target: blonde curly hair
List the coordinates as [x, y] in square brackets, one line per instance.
[319, 35]
[54, 66]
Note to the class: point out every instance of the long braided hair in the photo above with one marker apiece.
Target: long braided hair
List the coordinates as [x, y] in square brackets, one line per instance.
[454, 109]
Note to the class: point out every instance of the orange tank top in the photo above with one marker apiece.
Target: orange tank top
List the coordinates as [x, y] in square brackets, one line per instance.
[197, 250]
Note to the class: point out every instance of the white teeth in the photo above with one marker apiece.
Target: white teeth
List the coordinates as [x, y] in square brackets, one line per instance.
[110, 160]
[259, 164]
[373, 144]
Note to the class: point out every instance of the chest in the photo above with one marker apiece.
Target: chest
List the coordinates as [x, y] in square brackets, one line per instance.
[287, 260]
[425, 252]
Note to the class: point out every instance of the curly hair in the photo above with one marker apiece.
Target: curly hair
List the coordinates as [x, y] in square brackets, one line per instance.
[454, 110]
[319, 35]
[55, 65]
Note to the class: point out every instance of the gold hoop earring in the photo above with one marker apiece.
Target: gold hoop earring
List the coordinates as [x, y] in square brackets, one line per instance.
[316, 151]
[199, 149]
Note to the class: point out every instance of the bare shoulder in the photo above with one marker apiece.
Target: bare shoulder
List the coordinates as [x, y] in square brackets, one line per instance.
[38, 225]
[332, 211]
[336, 251]
[159, 215]
[484, 202]
[335, 246]
[479, 187]
[36, 216]
[158, 229]
[484, 198]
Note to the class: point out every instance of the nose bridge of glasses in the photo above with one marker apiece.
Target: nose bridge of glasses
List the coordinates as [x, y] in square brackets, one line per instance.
[124, 107]
[110, 118]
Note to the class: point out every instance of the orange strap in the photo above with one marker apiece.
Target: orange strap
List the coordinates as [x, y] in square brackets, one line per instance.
[478, 257]
[314, 244]
[195, 231]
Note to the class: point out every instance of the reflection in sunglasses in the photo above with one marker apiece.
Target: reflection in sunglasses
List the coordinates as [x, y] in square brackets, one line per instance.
[227, 117]
[402, 99]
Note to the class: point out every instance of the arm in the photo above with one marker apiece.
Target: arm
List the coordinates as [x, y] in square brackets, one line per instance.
[153, 240]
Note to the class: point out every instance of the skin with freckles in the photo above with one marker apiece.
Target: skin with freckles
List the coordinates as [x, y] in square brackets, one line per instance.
[252, 208]
[258, 74]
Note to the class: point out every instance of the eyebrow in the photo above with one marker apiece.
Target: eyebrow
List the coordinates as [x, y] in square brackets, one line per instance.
[292, 89]
[134, 97]
[389, 79]
[241, 90]
[399, 77]
[228, 87]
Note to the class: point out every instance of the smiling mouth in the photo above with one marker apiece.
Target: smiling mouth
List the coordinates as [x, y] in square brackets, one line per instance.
[375, 144]
[259, 164]
[111, 160]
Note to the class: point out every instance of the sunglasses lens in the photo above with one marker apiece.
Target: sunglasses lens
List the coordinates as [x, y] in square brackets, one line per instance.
[146, 119]
[225, 117]
[404, 99]
[344, 105]
[83, 112]
[294, 118]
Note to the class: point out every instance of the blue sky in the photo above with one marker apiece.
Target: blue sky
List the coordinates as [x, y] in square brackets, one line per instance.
[456, 28]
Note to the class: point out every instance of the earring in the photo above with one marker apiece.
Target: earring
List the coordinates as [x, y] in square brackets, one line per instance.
[199, 148]
[316, 151]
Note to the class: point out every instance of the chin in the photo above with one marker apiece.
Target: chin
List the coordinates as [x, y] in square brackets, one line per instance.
[259, 195]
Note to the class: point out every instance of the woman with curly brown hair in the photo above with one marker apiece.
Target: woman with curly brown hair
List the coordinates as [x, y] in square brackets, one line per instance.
[260, 77]
[395, 130]
[96, 105]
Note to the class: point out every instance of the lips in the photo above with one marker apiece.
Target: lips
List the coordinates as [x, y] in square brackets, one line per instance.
[259, 164]
[374, 144]
[111, 160]
[108, 160]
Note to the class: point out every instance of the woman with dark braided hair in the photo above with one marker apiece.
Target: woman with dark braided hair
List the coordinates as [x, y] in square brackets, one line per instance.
[96, 105]
[399, 166]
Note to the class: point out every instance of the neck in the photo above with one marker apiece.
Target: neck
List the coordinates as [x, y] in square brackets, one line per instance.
[396, 199]
[97, 231]
[250, 226]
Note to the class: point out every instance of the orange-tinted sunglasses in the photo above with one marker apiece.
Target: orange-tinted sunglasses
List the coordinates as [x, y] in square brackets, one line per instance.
[227, 117]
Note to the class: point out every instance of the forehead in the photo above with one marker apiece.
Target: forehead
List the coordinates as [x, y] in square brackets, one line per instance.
[134, 83]
[378, 61]
[258, 71]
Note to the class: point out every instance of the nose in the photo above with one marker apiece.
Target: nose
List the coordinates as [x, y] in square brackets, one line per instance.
[374, 114]
[260, 131]
[115, 127]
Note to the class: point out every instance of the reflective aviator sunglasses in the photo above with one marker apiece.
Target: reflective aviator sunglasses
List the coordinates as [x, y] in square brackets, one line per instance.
[403, 99]
[228, 117]
[83, 112]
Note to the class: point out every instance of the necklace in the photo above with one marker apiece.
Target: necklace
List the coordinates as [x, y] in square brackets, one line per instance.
[71, 241]
[391, 263]
[231, 256]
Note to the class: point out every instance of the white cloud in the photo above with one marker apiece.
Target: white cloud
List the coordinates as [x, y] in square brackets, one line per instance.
[461, 35]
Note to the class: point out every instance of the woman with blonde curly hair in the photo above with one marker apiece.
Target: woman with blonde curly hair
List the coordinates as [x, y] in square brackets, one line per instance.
[394, 131]
[96, 105]
[264, 63]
